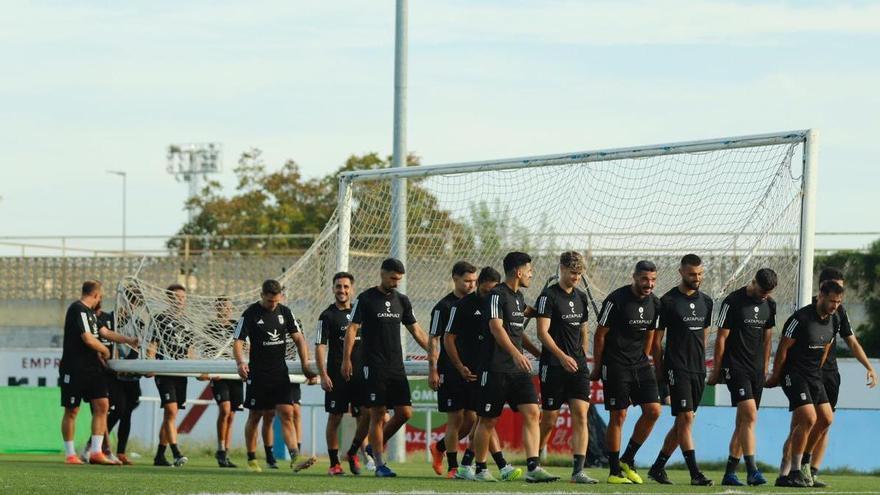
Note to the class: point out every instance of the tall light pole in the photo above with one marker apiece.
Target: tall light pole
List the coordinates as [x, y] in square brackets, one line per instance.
[191, 163]
[124, 176]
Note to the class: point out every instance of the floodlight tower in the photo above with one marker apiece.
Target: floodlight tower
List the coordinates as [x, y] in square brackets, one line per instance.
[191, 163]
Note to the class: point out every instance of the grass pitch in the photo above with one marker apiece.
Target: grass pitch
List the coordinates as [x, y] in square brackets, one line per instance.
[36, 474]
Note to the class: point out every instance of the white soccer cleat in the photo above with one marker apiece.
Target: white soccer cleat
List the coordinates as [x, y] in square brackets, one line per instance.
[465, 473]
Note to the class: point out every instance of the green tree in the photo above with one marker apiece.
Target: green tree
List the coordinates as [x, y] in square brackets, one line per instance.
[862, 272]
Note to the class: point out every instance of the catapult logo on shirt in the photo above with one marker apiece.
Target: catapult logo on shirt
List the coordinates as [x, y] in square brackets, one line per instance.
[388, 313]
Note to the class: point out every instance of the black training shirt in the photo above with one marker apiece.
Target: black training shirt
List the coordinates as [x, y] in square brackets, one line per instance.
[76, 357]
[172, 337]
[684, 319]
[811, 334]
[267, 332]
[439, 322]
[508, 306]
[330, 331]
[469, 324]
[567, 312]
[629, 319]
[747, 318]
[380, 315]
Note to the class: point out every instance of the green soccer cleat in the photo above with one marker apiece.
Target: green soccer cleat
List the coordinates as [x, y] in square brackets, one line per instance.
[614, 479]
[254, 466]
[631, 473]
[540, 475]
[484, 475]
[465, 473]
[510, 473]
[807, 474]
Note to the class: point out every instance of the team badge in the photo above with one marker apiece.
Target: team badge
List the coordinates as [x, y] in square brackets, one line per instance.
[281, 319]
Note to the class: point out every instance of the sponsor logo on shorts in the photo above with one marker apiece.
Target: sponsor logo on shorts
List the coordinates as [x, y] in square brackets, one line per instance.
[612, 401]
[803, 396]
[488, 407]
[742, 392]
[684, 403]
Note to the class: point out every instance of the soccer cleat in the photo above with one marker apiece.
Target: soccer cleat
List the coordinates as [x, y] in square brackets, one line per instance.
[230, 464]
[731, 480]
[631, 473]
[808, 476]
[115, 460]
[385, 472]
[581, 477]
[796, 479]
[756, 479]
[659, 475]
[101, 459]
[817, 483]
[73, 459]
[304, 464]
[510, 473]
[220, 455]
[354, 464]
[451, 473]
[368, 455]
[180, 461]
[271, 464]
[161, 461]
[484, 475]
[783, 481]
[436, 460]
[701, 480]
[84, 453]
[124, 459]
[465, 473]
[335, 470]
[254, 466]
[540, 475]
[618, 479]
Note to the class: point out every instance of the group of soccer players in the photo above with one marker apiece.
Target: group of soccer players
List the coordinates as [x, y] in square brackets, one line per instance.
[477, 364]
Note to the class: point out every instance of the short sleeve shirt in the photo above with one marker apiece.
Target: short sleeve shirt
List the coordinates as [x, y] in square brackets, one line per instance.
[470, 327]
[267, 333]
[330, 331]
[567, 312]
[629, 319]
[439, 322]
[684, 319]
[380, 315]
[172, 336]
[811, 334]
[508, 306]
[76, 356]
[747, 318]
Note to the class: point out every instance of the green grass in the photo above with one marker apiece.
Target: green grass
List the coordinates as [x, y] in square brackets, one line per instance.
[35, 474]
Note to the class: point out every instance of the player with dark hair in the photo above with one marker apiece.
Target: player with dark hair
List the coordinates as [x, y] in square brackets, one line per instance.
[340, 396]
[624, 337]
[742, 358]
[802, 351]
[264, 325]
[377, 314]
[82, 374]
[171, 340]
[443, 378]
[685, 318]
[561, 316]
[507, 377]
[467, 340]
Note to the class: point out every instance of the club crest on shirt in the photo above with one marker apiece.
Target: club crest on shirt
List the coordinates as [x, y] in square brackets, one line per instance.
[757, 309]
[281, 319]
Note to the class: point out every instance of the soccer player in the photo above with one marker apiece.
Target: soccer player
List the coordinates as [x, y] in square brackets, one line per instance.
[561, 315]
[264, 324]
[82, 374]
[171, 340]
[443, 378]
[624, 336]
[685, 318]
[801, 353]
[831, 379]
[742, 353]
[340, 396]
[377, 314]
[507, 378]
[228, 394]
[467, 340]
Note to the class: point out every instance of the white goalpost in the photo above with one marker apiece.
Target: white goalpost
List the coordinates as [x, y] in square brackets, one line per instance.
[741, 203]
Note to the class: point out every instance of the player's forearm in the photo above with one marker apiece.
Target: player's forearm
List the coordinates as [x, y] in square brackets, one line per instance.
[237, 351]
[348, 345]
[531, 347]
[433, 351]
[546, 340]
[858, 352]
[719, 349]
[585, 338]
[319, 359]
[768, 348]
[419, 335]
[825, 356]
[598, 349]
[657, 353]
[113, 336]
[781, 355]
[452, 351]
[151, 350]
[302, 349]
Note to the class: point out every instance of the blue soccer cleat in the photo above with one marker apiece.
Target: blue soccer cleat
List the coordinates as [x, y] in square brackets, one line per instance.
[756, 479]
[731, 480]
[385, 472]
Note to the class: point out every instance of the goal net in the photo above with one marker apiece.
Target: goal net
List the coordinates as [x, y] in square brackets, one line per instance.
[739, 203]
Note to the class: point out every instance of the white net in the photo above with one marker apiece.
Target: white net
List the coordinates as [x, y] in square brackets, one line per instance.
[739, 209]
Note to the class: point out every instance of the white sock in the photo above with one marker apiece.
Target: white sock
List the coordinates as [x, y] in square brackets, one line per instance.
[796, 461]
[220, 446]
[97, 441]
[69, 449]
[785, 466]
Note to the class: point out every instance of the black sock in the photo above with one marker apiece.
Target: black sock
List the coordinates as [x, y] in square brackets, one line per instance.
[481, 466]
[441, 445]
[468, 458]
[690, 458]
[661, 461]
[629, 455]
[452, 460]
[270, 457]
[814, 471]
[252, 456]
[334, 456]
[294, 453]
[732, 463]
[614, 463]
[577, 464]
[751, 467]
[160, 452]
[299, 446]
[369, 450]
[353, 450]
[532, 463]
[174, 450]
[499, 459]
[806, 458]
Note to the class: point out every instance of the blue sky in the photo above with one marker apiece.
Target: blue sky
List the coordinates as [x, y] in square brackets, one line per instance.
[93, 86]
